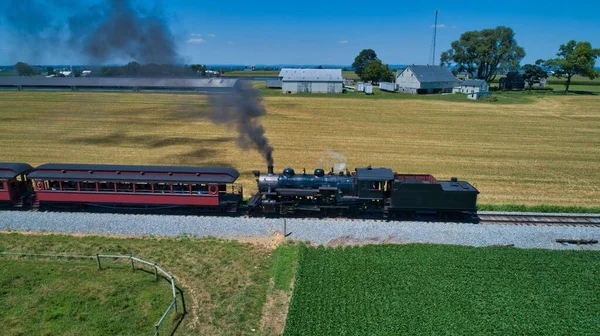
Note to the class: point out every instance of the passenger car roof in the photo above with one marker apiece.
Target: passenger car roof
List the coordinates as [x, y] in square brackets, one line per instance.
[12, 169]
[95, 172]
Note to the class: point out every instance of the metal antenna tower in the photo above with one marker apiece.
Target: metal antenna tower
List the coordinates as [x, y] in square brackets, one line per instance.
[432, 48]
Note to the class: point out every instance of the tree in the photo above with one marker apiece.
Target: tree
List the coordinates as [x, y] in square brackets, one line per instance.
[199, 69]
[112, 71]
[574, 58]
[132, 69]
[24, 69]
[376, 71]
[533, 73]
[50, 70]
[360, 62]
[484, 53]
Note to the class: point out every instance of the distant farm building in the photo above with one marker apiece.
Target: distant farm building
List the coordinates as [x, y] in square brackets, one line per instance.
[312, 80]
[480, 94]
[512, 81]
[360, 86]
[471, 86]
[146, 84]
[387, 86]
[423, 79]
[537, 82]
[273, 84]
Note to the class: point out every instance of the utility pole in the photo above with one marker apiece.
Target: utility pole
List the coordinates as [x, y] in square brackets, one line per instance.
[432, 49]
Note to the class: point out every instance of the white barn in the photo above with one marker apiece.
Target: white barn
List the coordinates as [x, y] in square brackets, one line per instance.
[312, 80]
[421, 79]
[471, 86]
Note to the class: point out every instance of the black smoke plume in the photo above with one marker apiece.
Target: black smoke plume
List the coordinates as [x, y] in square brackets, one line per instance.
[242, 109]
[111, 31]
[141, 36]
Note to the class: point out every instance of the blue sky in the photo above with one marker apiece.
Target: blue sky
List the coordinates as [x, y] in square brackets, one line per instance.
[333, 32]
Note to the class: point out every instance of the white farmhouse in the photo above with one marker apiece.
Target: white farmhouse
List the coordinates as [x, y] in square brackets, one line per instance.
[471, 86]
[421, 79]
[312, 80]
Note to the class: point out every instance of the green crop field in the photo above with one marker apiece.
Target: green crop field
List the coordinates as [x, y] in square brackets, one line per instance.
[57, 297]
[444, 290]
[225, 285]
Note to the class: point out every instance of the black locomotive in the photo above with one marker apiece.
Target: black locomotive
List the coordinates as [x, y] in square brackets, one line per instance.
[366, 190]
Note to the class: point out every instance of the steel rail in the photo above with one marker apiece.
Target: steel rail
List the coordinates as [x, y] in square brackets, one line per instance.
[541, 219]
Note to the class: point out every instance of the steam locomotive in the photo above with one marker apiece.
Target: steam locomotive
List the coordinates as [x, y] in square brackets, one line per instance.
[367, 190]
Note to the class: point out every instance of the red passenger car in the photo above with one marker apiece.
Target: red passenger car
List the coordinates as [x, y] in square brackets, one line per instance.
[201, 188]
[14, 187]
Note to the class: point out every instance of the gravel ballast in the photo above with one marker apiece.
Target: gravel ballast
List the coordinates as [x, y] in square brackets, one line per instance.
[317, 231]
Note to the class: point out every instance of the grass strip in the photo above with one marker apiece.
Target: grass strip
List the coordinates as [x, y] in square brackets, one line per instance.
[538, 208]
[284, 268]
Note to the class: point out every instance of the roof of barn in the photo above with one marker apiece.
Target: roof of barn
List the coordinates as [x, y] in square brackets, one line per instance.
[312, 75]
[431, 73]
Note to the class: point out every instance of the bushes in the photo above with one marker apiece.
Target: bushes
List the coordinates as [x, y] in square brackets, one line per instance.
[537, 88]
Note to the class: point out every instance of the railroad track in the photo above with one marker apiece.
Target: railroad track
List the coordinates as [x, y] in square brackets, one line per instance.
[542, 219]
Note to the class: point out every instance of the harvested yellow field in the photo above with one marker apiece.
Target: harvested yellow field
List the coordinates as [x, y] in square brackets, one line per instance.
[544, 152]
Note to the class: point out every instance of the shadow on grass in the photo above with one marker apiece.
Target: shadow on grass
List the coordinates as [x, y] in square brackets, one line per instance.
[172, 141]
[580, 92]
[198, 157]
[149, 141]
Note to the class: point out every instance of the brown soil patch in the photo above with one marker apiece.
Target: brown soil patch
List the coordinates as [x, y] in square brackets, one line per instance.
[268, 242]
[275, 311]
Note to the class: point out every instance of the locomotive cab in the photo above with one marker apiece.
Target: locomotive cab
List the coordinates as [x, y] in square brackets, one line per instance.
[374, 183]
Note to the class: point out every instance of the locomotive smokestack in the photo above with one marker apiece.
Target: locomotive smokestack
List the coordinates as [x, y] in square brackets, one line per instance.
[270, 169]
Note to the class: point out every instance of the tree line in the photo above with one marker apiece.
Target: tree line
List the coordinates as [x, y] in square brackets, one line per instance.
[487, 53]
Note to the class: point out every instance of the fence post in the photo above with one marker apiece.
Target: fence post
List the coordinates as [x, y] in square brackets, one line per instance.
[132, 267]
[155, 273]
[284, 227]
[98, 261]
[174, 292]
[156, 330]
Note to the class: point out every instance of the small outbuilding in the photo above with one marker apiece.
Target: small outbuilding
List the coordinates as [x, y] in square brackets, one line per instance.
[386, 86]
[423, 79]
[471, 86]
[478, 95]
[312, 80]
